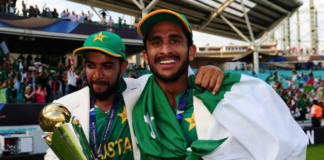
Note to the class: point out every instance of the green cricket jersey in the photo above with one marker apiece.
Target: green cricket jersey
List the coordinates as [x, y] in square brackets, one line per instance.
[119, 143]
[188, 123]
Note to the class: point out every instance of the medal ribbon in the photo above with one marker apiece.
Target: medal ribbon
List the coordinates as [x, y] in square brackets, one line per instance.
[93, 127]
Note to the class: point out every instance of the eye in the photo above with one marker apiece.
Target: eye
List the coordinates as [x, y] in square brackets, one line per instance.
[156, 43]
[175, 41]
[108, 66]
[89, 65]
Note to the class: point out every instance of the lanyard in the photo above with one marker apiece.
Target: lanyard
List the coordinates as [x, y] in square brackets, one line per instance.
[182, 105]
[93, 126]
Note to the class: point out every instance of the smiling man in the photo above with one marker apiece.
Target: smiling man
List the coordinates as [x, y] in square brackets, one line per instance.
[176, 119]
[110, 97]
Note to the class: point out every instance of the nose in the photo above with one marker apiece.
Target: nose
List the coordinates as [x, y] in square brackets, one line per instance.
[98, 73]
[166, 48]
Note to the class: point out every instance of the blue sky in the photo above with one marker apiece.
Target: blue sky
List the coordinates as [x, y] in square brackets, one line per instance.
[200, 39]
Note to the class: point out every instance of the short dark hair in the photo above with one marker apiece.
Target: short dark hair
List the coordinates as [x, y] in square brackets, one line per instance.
[185, 32]
[315, 102]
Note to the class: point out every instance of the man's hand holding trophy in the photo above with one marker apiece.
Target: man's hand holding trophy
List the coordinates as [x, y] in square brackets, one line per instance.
[64, 135]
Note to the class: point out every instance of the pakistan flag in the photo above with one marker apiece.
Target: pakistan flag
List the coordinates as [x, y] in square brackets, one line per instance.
[239, 122]
[273, 77]
[3, 48]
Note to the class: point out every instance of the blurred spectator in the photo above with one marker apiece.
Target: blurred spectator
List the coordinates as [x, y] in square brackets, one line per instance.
[47, 77]
[21, 57]
[12, 6]
[85, 17]
[6, 65]
[135, 24]
[3, 98]
[316, 114]
[28, 95]
[37, 11]
[119, 22]
[68, 14]
[294, 77]
[45, 12]
[23, 4]
[79, 69]
[63, 60]
[64, 16]
[72, 79]
[110, 22]
[311, 80]
[25, 11]
[103, 21]
[103, 13]
[302, 106]
[55, 14]
[2, 6]
[73, 17]
[90, 15]
[11, 92]
[295, 112]
[242, 67]
[40, 94]
[124, 24]
[316, 81]
[56, 87]
[77, 18]
[32, 12]
[305, 79]
[3, 74]
[82, 17]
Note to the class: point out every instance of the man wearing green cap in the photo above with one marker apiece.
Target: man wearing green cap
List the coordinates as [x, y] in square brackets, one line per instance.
[109, 97]
[176, 119]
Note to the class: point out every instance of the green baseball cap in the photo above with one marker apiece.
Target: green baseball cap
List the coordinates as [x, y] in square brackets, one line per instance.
[103, 41]
[162, 15]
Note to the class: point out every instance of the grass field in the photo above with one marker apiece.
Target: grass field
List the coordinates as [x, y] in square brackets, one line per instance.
[315, 152]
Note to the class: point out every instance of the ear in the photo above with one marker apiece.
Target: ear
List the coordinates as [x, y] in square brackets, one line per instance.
[145, 57]
[123, 68]
[192, 52]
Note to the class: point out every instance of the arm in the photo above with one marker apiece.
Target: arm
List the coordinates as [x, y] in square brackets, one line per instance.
[80, 75]
[29, 96]
[1, 87]
[12, 57]
[210, 78]
[14, 81]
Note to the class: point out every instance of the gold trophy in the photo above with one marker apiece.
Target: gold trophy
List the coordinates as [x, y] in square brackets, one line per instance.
[64, 135]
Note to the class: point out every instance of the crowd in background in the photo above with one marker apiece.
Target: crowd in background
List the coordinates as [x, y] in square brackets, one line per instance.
[9, 6]
[300, 51]
[27, 80]
[301, 98]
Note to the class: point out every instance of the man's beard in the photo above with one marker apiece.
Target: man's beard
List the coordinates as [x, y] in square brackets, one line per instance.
[175, 76]
[108, 92]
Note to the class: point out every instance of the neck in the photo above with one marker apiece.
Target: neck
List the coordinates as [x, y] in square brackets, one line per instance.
[105, 105]
[173, 89]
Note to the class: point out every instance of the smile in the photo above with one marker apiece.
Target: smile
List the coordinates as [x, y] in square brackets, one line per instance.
[169, 61]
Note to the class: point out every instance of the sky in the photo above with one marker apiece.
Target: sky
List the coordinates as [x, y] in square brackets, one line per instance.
[200, 39]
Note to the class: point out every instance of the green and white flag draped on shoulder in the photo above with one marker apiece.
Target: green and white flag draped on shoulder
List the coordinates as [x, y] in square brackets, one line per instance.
[245, 120]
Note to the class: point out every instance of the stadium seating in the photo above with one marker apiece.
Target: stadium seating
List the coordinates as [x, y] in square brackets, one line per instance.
[284, 74]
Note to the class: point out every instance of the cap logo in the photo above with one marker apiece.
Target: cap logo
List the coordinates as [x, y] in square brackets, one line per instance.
[99, 37]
